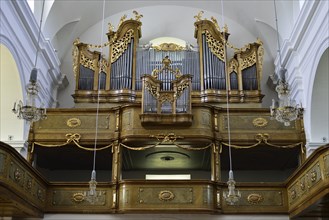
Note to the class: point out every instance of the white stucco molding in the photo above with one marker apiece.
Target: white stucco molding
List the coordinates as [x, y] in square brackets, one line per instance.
[301, 54]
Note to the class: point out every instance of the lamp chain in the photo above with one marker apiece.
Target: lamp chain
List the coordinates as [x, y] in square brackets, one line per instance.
[93, 182]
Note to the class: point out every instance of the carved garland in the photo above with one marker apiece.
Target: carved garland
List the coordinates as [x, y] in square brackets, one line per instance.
[216, 47]
[119, 47]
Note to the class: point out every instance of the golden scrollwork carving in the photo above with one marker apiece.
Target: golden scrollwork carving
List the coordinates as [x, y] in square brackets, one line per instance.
[198, 17]
[78, 197]
[73, 122]
[259, 122]
[168, 47]
[119, 46]
[87, 62]
[166, 195]
[181, 88]
[216, 47]
[255, 198]
[233, 66]
[152, 89]
[104, 65]
[248, 61]
[166, 97]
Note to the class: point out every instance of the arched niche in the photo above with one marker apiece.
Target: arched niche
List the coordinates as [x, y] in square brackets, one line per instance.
[11, 129]
[320, 102]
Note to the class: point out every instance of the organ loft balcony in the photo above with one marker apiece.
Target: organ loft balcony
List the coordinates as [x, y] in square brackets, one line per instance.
[168, 115]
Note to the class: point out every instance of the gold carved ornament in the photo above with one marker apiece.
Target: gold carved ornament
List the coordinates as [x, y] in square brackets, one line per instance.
[259, 122]
[75, 138]
[87, 62]
[168, 47]
[216, 47]
[166, 139]
[262, 138]
[119, 46]
[73, 122]
[166, 195]
[248, 61]
[255, 198]
[152, 89]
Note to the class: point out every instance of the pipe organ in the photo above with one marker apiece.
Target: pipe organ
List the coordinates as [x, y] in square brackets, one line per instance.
[120, 74]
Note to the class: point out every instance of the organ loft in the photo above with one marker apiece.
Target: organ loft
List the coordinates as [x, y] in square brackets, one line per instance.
[165, 123]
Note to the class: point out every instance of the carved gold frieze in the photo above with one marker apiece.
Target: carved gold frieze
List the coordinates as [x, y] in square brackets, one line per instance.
[259, 122]
[255, 198]
[166, 195]
[119, 46]
[168, 47]
[216, 46]
[73, 122]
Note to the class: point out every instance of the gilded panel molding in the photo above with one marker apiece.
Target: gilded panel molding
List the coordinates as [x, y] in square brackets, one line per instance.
[159, 195]
[70, 197]
[261, 198]
[73, 122]
[326, 165]
[260, 122]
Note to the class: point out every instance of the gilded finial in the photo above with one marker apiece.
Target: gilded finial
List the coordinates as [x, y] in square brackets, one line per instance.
[76, 41]
[111, 27]
[198, 17]
[137, 16]
[214, 20]
[225, 28]
[122, 19]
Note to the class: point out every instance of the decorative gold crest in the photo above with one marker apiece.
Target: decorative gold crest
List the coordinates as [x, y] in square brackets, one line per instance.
[166, 195]
[78, 197]
[73, 122]
[259, 122]
[255, 198]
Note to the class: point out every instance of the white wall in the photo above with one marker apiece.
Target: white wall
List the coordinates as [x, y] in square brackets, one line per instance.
[11, 129]
[19, 33]
[301, 54]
